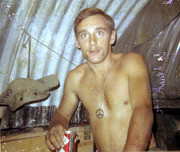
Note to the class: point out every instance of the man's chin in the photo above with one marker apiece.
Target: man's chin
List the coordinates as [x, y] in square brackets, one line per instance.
[95, 61]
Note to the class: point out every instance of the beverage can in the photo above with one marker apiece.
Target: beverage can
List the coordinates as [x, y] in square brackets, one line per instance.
[69, 142]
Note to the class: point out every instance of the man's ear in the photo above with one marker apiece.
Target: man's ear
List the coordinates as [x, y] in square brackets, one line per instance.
[77, 43]
[113, 37]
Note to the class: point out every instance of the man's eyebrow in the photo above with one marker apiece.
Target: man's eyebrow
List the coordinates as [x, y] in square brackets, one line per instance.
[98, 28]
[101, 28]
[81, 31]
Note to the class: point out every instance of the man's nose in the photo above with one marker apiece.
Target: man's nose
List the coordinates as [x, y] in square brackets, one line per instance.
[92, 40]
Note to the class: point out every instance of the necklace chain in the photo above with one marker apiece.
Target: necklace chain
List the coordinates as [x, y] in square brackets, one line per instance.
[99, 112]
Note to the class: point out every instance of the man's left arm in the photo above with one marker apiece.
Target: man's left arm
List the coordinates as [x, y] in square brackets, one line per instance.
[140, 127]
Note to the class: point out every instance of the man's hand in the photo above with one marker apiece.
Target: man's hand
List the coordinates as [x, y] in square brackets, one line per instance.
[54, 137]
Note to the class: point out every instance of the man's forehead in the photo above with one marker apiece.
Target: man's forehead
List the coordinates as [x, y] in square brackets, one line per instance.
[94, 21]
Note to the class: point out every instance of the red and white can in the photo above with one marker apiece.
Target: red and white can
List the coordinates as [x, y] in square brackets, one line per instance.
[69, 142]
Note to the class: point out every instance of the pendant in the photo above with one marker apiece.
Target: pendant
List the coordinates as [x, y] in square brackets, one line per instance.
[99, 113]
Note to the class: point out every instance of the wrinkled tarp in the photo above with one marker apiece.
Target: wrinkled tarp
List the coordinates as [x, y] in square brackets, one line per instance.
[155, 34]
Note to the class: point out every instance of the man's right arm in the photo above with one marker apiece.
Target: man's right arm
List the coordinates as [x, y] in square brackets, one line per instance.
[60, 120]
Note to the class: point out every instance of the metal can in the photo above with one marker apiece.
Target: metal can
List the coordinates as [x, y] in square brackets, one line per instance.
[69, 142]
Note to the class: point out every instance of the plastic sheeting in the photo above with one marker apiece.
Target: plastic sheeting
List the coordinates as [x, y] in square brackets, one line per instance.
[155, 34]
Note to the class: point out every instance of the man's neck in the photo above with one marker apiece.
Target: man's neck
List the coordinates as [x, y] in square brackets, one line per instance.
[102, 68]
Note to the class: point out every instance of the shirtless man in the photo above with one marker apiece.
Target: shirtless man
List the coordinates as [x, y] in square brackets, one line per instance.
[114, 88]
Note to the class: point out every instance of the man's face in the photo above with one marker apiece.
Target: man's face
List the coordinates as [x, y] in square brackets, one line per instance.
[94, 38]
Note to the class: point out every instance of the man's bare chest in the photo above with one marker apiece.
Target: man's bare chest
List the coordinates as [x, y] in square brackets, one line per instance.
[112, 95]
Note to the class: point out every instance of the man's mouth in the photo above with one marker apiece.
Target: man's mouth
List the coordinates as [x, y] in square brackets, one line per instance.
[94, 52]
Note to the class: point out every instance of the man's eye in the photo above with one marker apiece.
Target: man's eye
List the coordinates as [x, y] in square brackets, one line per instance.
[99, 33]
[83, 35]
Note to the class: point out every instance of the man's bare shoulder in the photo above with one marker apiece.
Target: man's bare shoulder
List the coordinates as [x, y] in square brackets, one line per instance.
[128, 58]
[135, 62]
[77, 73]
[130, 61]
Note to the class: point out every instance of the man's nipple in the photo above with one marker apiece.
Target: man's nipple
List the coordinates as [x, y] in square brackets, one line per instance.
[126, 102]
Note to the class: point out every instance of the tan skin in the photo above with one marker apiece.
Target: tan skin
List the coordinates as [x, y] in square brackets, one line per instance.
[126, 103]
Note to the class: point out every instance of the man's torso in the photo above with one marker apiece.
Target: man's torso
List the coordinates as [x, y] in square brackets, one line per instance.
[107, 103]
[109, 112]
